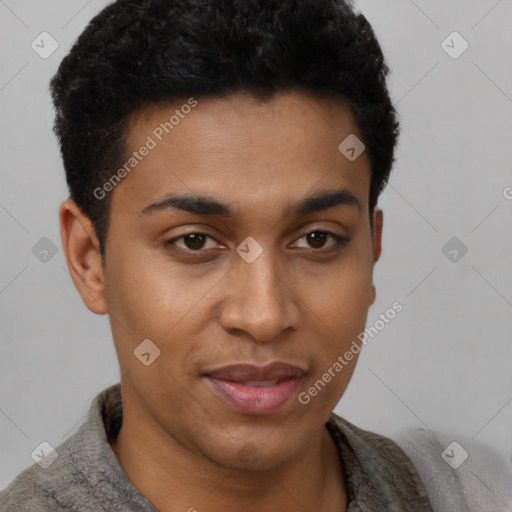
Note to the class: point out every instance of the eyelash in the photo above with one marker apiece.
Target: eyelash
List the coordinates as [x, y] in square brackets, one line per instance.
[339, 241]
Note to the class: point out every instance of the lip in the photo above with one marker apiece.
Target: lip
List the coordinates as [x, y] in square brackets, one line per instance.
[238, 386]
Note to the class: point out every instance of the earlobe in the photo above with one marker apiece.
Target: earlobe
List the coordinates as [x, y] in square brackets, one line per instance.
[373, 294]
[83, 257]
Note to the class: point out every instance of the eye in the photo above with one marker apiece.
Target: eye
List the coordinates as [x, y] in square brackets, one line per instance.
[317, 239]
[193, 241]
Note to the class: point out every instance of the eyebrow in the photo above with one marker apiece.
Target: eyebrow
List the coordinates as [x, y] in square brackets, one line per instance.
[205, 205]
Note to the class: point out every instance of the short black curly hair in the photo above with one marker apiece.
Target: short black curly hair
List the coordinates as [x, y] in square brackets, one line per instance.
[136, 53]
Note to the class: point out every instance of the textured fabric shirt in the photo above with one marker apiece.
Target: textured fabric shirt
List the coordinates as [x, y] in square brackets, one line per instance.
[86, 475]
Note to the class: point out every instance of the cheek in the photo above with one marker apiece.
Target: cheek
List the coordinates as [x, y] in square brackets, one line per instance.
[151, 292]
[151, 297]
[342, 310]
[343, 315]
[342, 297]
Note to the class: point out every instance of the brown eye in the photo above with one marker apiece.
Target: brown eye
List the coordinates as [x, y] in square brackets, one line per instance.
[192, 242]
[317, 239]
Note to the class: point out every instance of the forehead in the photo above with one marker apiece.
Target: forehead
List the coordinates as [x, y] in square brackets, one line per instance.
[243, 151]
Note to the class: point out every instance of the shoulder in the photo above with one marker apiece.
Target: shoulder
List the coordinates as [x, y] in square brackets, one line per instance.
[72, 475]
[378, 470]
[377, 442]
[370, 446]
[459, 473]
[31, 490]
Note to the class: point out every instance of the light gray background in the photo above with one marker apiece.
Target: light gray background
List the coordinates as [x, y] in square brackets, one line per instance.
[444, 362]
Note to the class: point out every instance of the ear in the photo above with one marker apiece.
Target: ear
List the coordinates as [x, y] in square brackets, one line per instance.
[81, 248]
[377, 223]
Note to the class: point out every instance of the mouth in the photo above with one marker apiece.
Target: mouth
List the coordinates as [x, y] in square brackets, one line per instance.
[252, 389]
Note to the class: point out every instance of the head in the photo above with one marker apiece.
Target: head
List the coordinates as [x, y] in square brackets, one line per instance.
[212, 210]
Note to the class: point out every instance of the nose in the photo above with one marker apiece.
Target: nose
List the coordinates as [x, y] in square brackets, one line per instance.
[259, 300]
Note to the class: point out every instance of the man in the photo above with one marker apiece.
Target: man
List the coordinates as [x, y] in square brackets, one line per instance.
[224, 160]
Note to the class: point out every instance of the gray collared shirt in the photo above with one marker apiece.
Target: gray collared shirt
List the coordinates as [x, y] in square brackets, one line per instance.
[87, 477]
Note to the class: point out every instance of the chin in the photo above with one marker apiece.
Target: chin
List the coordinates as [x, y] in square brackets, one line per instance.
[253, 457]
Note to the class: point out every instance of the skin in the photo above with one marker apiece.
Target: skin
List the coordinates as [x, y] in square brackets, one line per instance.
[302, 301]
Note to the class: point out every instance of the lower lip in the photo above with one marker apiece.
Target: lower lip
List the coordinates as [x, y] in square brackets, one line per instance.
[256, 399]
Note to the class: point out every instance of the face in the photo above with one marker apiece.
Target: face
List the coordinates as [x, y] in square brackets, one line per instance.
[241, 245]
